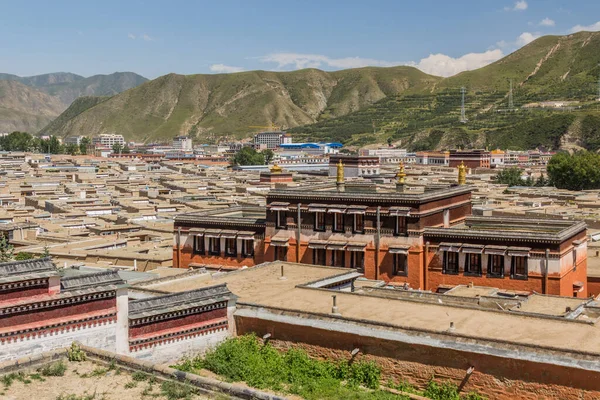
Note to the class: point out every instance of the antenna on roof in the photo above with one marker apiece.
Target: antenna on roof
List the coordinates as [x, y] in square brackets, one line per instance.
[463, 118]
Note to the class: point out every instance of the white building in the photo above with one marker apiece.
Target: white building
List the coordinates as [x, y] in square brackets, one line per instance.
[182, 143]
[74, 140]
[105, 139]
[272, 139]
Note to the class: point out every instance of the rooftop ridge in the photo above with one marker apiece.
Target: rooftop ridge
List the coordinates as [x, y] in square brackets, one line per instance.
[27, 266]
[101, 278]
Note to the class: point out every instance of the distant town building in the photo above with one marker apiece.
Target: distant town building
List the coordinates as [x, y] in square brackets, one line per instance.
[441, 158]
[272, 139]
[74, 140]
[108, 140]
[354, 166]
[297, 149]
[470, 158]
[182, 143]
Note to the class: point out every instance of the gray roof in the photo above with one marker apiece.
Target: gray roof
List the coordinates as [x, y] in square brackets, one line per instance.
[14, 271]
[105, 278]
[179, 301]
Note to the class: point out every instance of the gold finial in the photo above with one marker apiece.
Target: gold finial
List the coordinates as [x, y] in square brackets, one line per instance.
[340, 172]
[401, 175]
[462, 174]
[276, 169]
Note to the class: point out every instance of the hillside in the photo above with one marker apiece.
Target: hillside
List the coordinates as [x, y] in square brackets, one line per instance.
[30, 103]
[227, 104]
[24, 108]
[552, 68]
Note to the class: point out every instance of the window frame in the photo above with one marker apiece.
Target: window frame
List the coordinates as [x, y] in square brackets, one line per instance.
[400, 271]
[198, 249]
[400, 229]
[316, 253]
[278, 219]
[513, 267]
[354, 258]
[214, 246]
[491, 264]
[318, 216]
[445, 269]
[233, 252]
[334, 258]
[247, 250]
[355, 224]
[338, 226]
[469, 263]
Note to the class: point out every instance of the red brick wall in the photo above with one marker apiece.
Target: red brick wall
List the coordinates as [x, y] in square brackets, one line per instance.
[187, 257]
[494, 377]
[23, 293]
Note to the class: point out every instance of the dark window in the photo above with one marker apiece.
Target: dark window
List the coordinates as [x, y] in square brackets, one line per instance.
[450, 262]
[214, 246]
[198, 244]
[338, 222]
[473, 264]
[319, 221]
[400, 228]
[281, 219]
[496, 265]
[337, 258]
[359, 223]
[247, 248]
[357, 259]
[319, 257]
[400, 264]
[280, 253]
[230, 247]
[518, 268]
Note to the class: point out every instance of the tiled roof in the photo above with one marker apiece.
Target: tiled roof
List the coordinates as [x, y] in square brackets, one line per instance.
[28, 269]
[104, 278]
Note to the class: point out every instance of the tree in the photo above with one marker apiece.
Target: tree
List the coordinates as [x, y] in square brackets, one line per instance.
[578, 171]
[389, 142]
[117, 148]
[268, 155]
[6, 249]
[510, 176]
[23, 255]
[71, 149]
[541, 181]
[51, 145]
[17, 141]
[248, 156]
[83, 145]
[46, 252]
[126, 150]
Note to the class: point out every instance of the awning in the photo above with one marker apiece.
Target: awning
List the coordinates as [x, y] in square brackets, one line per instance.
[197, 231]
[338, 209]
[279, 206]
[317, 244]
[356, 246]
[356, 210]
[336, 245]
[454, 247]
[227, 234]
[281, 242]
[472, 248]
[398, 249]
[518, 251]
[399, 211]
[214, 233]
[495, 250]
[317, 208]
[246, 235]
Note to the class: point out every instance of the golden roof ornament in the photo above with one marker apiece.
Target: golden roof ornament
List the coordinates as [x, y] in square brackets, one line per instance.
[462, 174]
[276, 169]
[401, 175]
[340, 172]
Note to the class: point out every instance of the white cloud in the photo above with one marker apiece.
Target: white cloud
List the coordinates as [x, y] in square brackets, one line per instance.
[146, 37]
[593, 28]
[526, 38]
[131, 36]
[443, 65]
[547, 22]
[225, 69]
[519, 6]
[435, 64]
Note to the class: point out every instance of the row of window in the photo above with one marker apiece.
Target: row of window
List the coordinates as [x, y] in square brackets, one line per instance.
[357, 222]
[230, 247]
[495, 266]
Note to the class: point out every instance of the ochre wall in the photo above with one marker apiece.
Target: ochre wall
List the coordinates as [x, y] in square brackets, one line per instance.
[494, 377]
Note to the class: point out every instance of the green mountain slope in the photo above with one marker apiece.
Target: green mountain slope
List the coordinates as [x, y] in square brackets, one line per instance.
[227, 104]
[552, 68]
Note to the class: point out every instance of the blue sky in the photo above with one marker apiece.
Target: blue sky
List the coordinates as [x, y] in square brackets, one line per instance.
[154, 38]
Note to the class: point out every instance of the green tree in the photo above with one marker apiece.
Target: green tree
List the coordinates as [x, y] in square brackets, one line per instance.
[117, 148]
[17, 141]
[6, 249]
[578, 171]
[126, 150]
[268, 155]
[248, 156]
[510, 176]
[46, 252]
[71, 149]
[23, 255]
[51, 145]
[541, 181]
[83, 145]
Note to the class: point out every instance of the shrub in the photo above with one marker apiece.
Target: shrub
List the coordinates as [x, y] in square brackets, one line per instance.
[55, 369]
[74, 353]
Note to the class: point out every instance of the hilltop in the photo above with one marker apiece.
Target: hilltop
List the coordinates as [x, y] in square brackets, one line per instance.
[30, 103]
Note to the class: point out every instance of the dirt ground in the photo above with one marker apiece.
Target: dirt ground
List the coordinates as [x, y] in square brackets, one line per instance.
[86, 381]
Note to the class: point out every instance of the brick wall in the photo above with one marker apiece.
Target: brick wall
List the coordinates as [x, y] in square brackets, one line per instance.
[494, 377]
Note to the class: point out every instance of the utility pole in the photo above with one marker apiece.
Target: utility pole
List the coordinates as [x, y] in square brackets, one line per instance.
[463, 118]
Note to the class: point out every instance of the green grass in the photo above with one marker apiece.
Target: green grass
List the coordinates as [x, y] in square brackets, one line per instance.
[55, 369]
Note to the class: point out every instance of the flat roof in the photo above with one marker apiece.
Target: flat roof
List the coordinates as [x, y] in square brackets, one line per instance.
[261, 286]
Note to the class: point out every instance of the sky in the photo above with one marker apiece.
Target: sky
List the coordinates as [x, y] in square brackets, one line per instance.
[154, 38]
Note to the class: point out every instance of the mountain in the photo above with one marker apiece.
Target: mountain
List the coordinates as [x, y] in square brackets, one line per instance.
[225, 104]
[24, 108]
[59, 90]
[550, 69]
